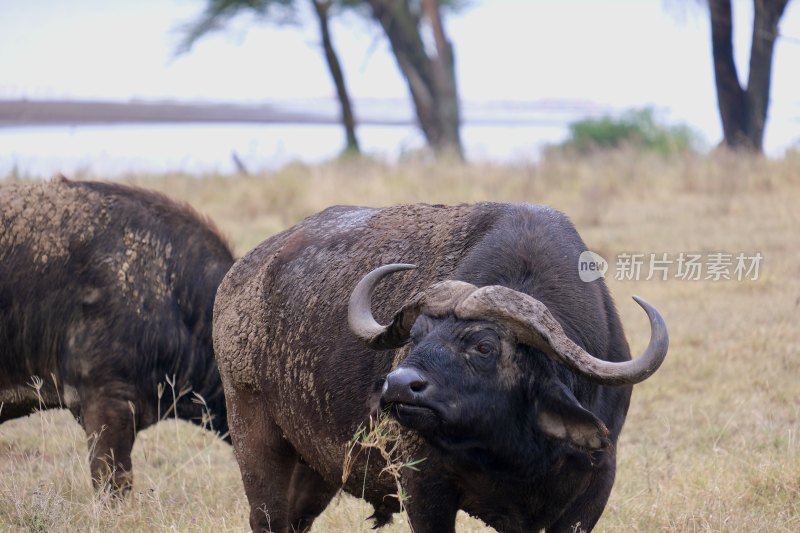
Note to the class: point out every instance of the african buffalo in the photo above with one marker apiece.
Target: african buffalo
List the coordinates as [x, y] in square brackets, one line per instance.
[510, 377]
[106, 295]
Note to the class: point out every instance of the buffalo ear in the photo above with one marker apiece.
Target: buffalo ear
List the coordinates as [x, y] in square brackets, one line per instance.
[561, 416]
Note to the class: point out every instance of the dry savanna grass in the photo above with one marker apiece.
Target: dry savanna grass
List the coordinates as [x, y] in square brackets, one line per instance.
[712, 441]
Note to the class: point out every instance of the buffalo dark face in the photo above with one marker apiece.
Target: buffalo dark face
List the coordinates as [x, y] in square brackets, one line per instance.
[458, 382]
[468, 386]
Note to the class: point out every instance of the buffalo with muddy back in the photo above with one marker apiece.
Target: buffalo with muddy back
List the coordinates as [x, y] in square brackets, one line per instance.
[106, 299]
[510, 378]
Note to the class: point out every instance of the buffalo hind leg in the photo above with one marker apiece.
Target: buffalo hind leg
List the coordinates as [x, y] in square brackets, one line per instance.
[110, 429]
[266, 461]
[309, 495]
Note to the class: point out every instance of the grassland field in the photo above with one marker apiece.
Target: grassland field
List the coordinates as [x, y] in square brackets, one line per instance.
[712, 441]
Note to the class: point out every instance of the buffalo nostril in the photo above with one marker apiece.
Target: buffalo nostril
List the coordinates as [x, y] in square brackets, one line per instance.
[418, 385]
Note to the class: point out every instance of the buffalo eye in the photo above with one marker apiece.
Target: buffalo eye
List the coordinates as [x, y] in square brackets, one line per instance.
[485, 348]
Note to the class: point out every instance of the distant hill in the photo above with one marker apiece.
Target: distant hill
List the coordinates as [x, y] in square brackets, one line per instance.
[33, 112]
[374, 112]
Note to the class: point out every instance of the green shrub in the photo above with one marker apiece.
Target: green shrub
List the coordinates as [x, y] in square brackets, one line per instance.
[638, 128]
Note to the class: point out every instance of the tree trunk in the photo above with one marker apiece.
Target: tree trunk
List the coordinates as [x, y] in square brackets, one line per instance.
[444, 76]
[431, 81]
[744, 111]
[321, 8]
[765, 31]
[730, 96]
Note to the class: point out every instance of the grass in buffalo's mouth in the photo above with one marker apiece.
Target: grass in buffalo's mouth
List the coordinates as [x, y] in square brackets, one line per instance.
[381, 435]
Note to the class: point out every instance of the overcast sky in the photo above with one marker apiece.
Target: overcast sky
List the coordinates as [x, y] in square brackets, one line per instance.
[619, 53]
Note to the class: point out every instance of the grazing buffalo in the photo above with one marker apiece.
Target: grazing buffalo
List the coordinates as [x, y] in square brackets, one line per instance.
[509, 376]
[106, 298]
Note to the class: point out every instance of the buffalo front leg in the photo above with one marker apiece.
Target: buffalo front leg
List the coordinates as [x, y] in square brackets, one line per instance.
[110, 428]
[584, 512]
[266, 461]
[433, 505]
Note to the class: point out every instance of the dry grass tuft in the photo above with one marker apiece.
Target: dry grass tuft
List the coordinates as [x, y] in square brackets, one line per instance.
[712, 441]
[382, 435]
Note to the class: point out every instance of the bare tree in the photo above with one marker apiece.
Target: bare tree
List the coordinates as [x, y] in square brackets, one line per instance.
[322, 9]
[430, 76]
[744, 109]
[219, 12]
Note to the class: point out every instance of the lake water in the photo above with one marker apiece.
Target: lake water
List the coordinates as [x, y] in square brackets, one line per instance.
[112, 151]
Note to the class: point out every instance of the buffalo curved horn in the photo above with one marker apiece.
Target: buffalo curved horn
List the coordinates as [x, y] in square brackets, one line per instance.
[364, 325]
[534, 325]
